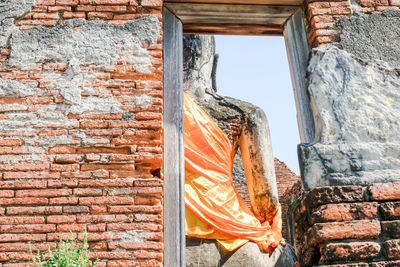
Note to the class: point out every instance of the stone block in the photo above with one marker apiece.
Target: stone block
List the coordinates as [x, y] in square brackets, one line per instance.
[321, 233]
[334, 194]
[357, 139]
[392, 249]
[344, 212]
[385, 191]
[353, 251]
[385, 264]
[390, 210]
[358, 264]
[391, 229]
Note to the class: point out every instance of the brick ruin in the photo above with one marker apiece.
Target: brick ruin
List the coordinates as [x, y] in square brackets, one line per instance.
[81, 124]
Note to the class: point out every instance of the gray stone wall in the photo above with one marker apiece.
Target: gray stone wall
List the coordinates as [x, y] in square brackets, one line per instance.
[354, 87]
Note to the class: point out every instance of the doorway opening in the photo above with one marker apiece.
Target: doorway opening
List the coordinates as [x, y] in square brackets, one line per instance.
[287, 21]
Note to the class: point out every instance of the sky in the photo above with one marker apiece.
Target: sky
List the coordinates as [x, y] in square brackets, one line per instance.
[255, 69]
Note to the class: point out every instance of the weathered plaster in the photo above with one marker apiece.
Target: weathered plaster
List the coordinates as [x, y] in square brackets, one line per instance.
[376, 37]
[75, 44]
[9, 11]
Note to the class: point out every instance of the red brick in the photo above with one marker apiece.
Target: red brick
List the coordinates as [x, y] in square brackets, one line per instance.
[101, 15]
[24, 167]
[61, 219]
[44, 193]
[11, 142]
[23, 201]
[22, 237]
[65, 158]
[62, 183]
[71, 227]
[85, 8]
[24, 184]
[122, 167]
[6, 193]
[75, 209]
[111, 2]
[392, 248]
[344, 212]
[111, 8]
[389, 210]
[111, 255]
[64, 167]
[63, 200]
[45, 16]
[67, 2]
[98, 209]
[31, 175]
[148, 218]
[135, 209]
[106, 183]
[28, 228]
[88, 192]
[33, 210]
[144, 254]
[321, 233]
[152, 3]
[45, 2]
[100, 227]
[104, 218]
[70, 15]
[62, 150]
[105, 200]
[104, 150]
[102, 236]
[391, 228]
[133, 226]
[334, 194]
[26, 247]
[123, 263]
[385, 191]
[135, 245]
[353, 251]
[21, 220]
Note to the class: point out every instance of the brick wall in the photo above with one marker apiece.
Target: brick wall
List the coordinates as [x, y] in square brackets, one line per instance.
[349, 226]
[71, 160]
[321, 16]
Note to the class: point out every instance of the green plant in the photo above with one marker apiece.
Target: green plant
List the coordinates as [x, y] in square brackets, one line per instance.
[67, 254]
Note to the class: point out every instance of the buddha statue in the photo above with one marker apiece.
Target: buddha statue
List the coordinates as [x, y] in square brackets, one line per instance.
[221, 230]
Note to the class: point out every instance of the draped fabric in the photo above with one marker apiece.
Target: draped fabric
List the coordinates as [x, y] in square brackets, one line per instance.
[214, 209]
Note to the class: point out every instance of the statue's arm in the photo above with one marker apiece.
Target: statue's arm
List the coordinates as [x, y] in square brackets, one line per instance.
[258, 162]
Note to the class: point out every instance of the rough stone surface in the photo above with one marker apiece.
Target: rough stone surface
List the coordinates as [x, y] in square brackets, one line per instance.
[385, 264]
[321, 233]
[76, 43]
[392, 248]
[9, 11]
[390, 210]
[385, 191]
[207, 253]
[373, 37]
[349, 251]
[356, 116]
[391, 229]
[204, 253]
[344, 212]
[249, 256]
[334, 194]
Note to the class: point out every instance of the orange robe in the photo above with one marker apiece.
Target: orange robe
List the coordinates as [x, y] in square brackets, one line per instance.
[214, 209]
